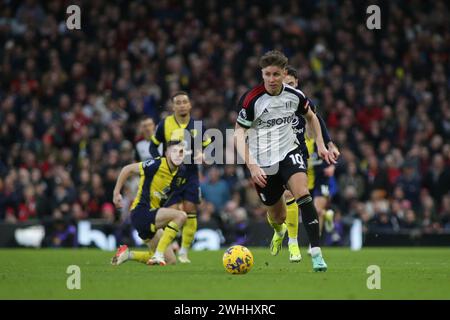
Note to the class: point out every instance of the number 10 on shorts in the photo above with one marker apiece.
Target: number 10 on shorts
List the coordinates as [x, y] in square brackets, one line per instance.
[297, 160]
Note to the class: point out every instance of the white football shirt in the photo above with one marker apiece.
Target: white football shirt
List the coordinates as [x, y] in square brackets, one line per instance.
[269, 122]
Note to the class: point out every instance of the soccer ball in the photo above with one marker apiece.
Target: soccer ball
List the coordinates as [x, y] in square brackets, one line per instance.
[237, 260]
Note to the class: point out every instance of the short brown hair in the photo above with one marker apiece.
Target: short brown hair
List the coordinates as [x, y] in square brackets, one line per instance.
[273, 58]
[179, 93]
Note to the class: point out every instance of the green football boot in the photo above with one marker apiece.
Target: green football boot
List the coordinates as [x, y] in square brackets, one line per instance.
[277, 241]
[319, 264]
[294, 253]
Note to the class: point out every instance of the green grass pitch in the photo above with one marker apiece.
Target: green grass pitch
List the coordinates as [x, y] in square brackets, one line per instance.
[406, 273]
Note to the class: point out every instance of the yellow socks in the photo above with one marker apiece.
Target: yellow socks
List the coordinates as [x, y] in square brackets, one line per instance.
[292, 220]
[277, 227]
[170, 232]
[189, 229]
[141, 256]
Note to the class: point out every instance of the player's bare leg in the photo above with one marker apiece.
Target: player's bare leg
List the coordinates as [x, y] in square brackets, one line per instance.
[292, 226]
[172, 220]
[189, 230]
[182, 254]
[276, 215]
[298, 185]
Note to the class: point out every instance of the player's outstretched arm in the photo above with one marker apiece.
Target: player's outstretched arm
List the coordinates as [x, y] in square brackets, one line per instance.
[123, 176]
[258, 174]
[323, 152]
[332, 148]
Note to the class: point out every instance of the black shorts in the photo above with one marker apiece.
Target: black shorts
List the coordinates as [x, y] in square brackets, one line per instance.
[294, 162]
[321, 187]
[143, 220]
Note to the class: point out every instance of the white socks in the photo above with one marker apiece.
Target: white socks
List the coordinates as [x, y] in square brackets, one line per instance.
[183, 251]
[315, 251]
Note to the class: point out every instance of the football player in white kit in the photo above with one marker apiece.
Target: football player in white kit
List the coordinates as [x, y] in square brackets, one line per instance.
[271, 151]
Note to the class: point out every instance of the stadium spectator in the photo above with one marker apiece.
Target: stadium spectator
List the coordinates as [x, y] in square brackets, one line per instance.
[437, 180]
[410, 183]
[410, 221]
[142, 141]
[215, 189]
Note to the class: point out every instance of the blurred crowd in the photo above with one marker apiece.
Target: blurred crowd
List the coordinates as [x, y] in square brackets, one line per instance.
[71, 101]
